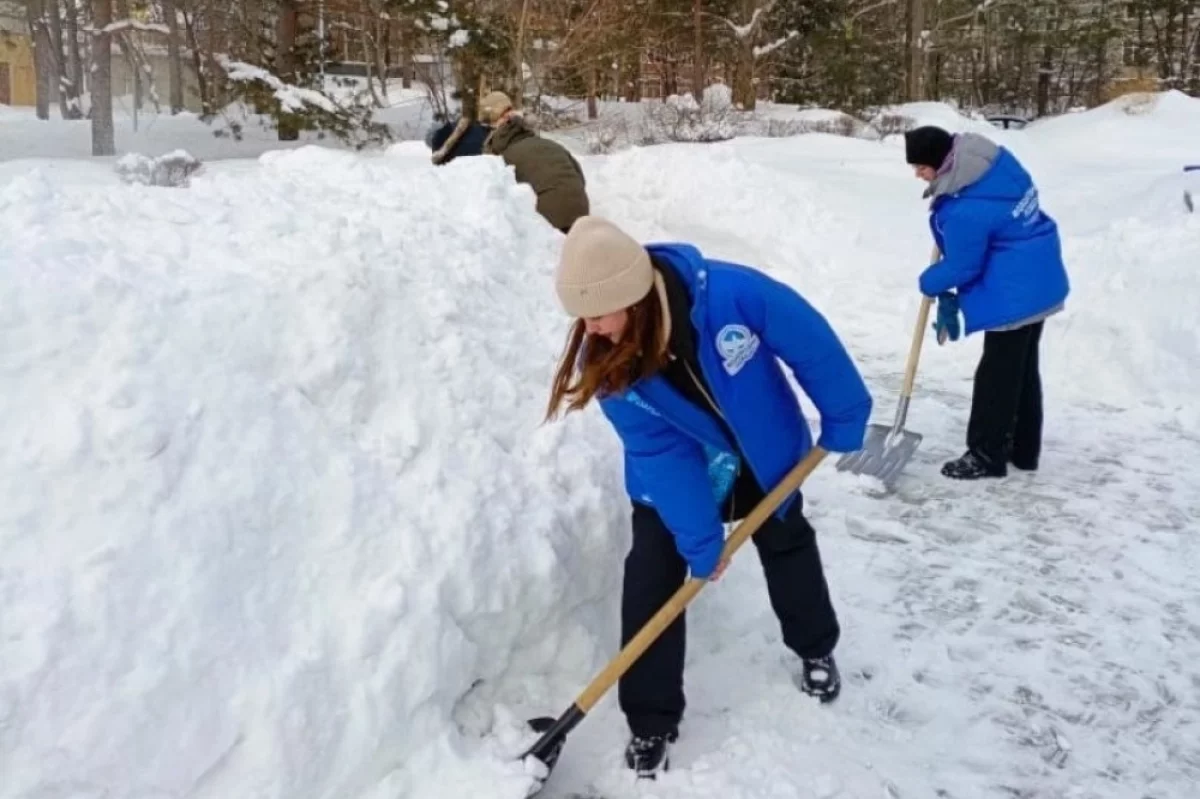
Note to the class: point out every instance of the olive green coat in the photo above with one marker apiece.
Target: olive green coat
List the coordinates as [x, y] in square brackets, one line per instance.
[548, 168]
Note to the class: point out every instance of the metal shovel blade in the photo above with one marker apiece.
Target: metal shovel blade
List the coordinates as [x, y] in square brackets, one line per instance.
[886, 450]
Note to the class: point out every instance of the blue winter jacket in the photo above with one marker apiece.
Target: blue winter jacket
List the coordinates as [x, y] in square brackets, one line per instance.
[677, 459]
[1001, 251]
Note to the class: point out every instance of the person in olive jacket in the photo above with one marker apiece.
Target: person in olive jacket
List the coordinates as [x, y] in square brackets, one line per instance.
[546, 166]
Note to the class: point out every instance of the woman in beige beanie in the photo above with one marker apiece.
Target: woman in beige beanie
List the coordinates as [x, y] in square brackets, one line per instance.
[683, 355]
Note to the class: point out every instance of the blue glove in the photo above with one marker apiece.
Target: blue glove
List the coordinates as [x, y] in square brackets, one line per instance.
[946, 325]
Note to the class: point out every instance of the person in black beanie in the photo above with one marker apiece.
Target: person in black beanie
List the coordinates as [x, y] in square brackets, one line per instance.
[1002, 267]
[926, 148]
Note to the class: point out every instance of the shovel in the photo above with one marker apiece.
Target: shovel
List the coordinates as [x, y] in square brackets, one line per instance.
[888, 448]
[554, 731]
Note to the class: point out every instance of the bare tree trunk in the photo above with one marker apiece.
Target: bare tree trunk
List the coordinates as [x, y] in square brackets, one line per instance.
[381, 59]
[1043, 81]
[44, 64]
[174, 60]
[61, 78]
[368, 43]
[374, 33]
[743, 84]
[285, 42]
[519, 57]
[1186, 46]
[103, 138]
[385, 38]
[916, 60]
[593, 110]
[406, 61]
[127, 52]
[697, 50]
[207, 101]
[633, 86]
[74, 62]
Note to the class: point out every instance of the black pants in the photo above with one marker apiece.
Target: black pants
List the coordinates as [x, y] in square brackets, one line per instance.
[1006, 405]
[651, 692]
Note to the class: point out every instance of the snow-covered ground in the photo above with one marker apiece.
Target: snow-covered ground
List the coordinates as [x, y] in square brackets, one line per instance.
[280, 518]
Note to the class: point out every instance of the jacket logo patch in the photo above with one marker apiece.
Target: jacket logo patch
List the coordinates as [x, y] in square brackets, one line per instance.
[1027, 206]
[737, 345]
[637, 400]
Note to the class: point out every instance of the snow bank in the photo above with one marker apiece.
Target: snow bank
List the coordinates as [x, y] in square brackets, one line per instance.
[155, 133]
[1132, 127]
[941, 114]
[1133, 336]
[277, 514]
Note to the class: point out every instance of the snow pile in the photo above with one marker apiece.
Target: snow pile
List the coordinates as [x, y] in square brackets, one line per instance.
[1136, 125]
[1132, 335]
[173, 169]
[943, 115]
[277, 514]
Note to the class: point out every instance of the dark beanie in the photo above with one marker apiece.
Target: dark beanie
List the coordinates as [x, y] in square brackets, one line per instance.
[927, 146]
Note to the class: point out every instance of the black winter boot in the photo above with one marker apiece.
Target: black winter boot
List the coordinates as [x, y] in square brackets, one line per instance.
[1025, 464]
[972, 467]
[821, 678]
[648, 755]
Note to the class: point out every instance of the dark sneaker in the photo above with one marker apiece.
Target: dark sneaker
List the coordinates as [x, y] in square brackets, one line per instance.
[972, 467]
[648, 755]
[821, 678]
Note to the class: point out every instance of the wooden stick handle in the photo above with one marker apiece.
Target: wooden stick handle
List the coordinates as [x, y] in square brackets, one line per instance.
[674, 606]
[914, 352]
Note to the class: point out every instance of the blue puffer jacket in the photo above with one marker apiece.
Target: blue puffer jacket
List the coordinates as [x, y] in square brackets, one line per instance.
[1001, 251]
[677, 459]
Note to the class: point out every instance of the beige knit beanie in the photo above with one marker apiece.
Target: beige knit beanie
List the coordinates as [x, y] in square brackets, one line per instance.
[493, 106]
[602, 270]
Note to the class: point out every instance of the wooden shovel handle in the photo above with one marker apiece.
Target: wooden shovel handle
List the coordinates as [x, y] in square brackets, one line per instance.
[687, 592]
[914, 352]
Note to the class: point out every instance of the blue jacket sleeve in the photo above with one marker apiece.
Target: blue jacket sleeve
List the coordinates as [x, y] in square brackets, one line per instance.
[440, 135]
[965, 234]
[798, 333]
[672, 468]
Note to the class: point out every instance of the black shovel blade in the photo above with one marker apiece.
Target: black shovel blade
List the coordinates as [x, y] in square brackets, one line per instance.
[549, 746]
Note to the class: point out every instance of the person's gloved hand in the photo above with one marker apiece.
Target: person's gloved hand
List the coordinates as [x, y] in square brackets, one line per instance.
[709, 565]
[946, 325]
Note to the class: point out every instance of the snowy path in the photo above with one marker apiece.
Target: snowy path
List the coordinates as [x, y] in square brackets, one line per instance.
[1035, 637]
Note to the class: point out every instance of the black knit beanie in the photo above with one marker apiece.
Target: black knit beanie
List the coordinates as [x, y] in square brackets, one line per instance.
[927, 146]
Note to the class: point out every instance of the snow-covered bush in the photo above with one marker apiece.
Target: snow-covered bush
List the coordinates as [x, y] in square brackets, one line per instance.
[546, 116]
[716, 98]
[173, 169]
[890, 124]
[608, 136]
[679, 118]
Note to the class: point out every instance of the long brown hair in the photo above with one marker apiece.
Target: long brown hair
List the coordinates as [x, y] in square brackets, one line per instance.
[593, 366]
